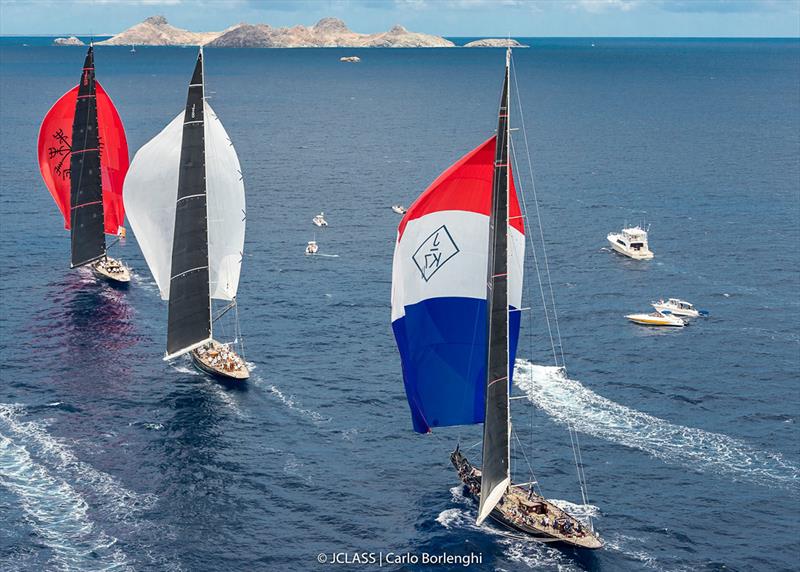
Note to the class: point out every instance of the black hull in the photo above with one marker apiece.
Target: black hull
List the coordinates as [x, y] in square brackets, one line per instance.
[198, 364]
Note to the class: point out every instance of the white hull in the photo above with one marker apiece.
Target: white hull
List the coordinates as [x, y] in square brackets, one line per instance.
[656, 320]
[641, 254]
[676, 311]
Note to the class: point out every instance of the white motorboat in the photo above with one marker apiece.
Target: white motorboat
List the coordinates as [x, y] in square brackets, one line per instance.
[399, 209]
[350, 59]
[678, 307]
[631, 242]
[319, 220]
[664, 318]
[312, 247]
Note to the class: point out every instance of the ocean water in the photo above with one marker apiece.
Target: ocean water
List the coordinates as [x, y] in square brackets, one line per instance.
[112, 459]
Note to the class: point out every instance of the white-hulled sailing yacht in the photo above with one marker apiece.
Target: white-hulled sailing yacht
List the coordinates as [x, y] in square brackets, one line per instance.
[185, 199]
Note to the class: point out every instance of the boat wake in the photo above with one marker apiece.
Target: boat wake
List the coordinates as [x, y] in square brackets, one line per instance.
[122, 503]
[567, 400]
[291, 404]
[55, 510]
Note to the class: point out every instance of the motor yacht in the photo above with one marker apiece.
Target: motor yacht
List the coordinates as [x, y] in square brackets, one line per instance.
[678, 307]
[319, 220]
[312, 247]
[631, 242]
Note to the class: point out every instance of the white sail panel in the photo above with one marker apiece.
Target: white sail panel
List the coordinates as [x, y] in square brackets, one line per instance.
[150, 192]
[226, 209]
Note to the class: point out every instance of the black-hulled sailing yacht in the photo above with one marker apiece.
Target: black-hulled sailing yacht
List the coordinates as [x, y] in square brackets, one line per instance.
[186, 203]
[83, 157]
[456, 304]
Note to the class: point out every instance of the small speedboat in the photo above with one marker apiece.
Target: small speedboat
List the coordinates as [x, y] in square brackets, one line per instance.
[112, 270]
[312, 247]
[399, 209]
[664, 318]
[350, 59]
[319, 220]
[678, 307]
[631, 242]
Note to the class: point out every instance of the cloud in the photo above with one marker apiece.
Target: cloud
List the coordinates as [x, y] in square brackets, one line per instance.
[728, 6]
[596, 6]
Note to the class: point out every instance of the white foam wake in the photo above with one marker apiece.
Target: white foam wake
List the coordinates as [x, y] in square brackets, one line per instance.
[291, 403]
[567, 400]
[119, 502]
[57, 513]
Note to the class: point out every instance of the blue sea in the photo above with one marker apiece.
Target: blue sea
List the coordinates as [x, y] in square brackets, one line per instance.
[113, 459]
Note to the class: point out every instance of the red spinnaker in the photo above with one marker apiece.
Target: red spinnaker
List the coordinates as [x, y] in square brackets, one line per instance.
[55, 137]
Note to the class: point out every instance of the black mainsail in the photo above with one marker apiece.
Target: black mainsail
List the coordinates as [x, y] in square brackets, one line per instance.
[496, 477]
[88, 242]
[189, 318]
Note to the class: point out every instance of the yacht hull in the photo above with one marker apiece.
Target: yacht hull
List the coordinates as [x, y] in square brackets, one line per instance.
[522, 511]
[630, 253]
[207, 367]
[122, 278]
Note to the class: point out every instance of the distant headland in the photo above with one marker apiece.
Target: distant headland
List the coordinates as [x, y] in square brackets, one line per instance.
[327, 33]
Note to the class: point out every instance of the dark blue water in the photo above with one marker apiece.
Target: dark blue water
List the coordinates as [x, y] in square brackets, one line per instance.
[111, 458]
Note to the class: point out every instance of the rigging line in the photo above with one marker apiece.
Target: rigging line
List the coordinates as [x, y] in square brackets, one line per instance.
[577, 465]
[539, 218]
[535, 260]
[583, 473]
[575, 444]
[530, 467]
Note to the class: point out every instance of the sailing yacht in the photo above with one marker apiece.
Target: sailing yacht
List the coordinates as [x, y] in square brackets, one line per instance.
[83, 158]
[186, 203]
[456, 303]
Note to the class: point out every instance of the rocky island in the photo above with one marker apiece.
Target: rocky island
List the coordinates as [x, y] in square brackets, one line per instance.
[495, 43]
[71, 41]
[156, 31]
[327, 33]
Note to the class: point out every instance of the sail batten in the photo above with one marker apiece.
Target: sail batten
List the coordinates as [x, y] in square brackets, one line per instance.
[495, 474]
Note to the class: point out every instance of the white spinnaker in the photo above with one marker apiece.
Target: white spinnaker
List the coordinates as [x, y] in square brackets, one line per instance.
[226, 209]
[150, 192]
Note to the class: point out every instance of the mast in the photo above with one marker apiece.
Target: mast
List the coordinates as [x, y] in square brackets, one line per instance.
[496, 477]
[189, 317]
[88, 242]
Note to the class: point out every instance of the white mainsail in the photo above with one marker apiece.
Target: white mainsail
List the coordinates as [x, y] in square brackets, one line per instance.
[150, 193]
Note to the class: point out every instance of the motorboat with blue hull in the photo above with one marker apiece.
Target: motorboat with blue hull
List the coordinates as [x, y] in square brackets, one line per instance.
[524, 511]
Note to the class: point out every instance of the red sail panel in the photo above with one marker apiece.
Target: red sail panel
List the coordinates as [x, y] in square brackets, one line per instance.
[55, 137]
[465, 186]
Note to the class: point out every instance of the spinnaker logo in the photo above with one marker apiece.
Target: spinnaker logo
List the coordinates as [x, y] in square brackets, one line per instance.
[437, 249]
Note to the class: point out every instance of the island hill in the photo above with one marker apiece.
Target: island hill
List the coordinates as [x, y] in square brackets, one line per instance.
[327, 33]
